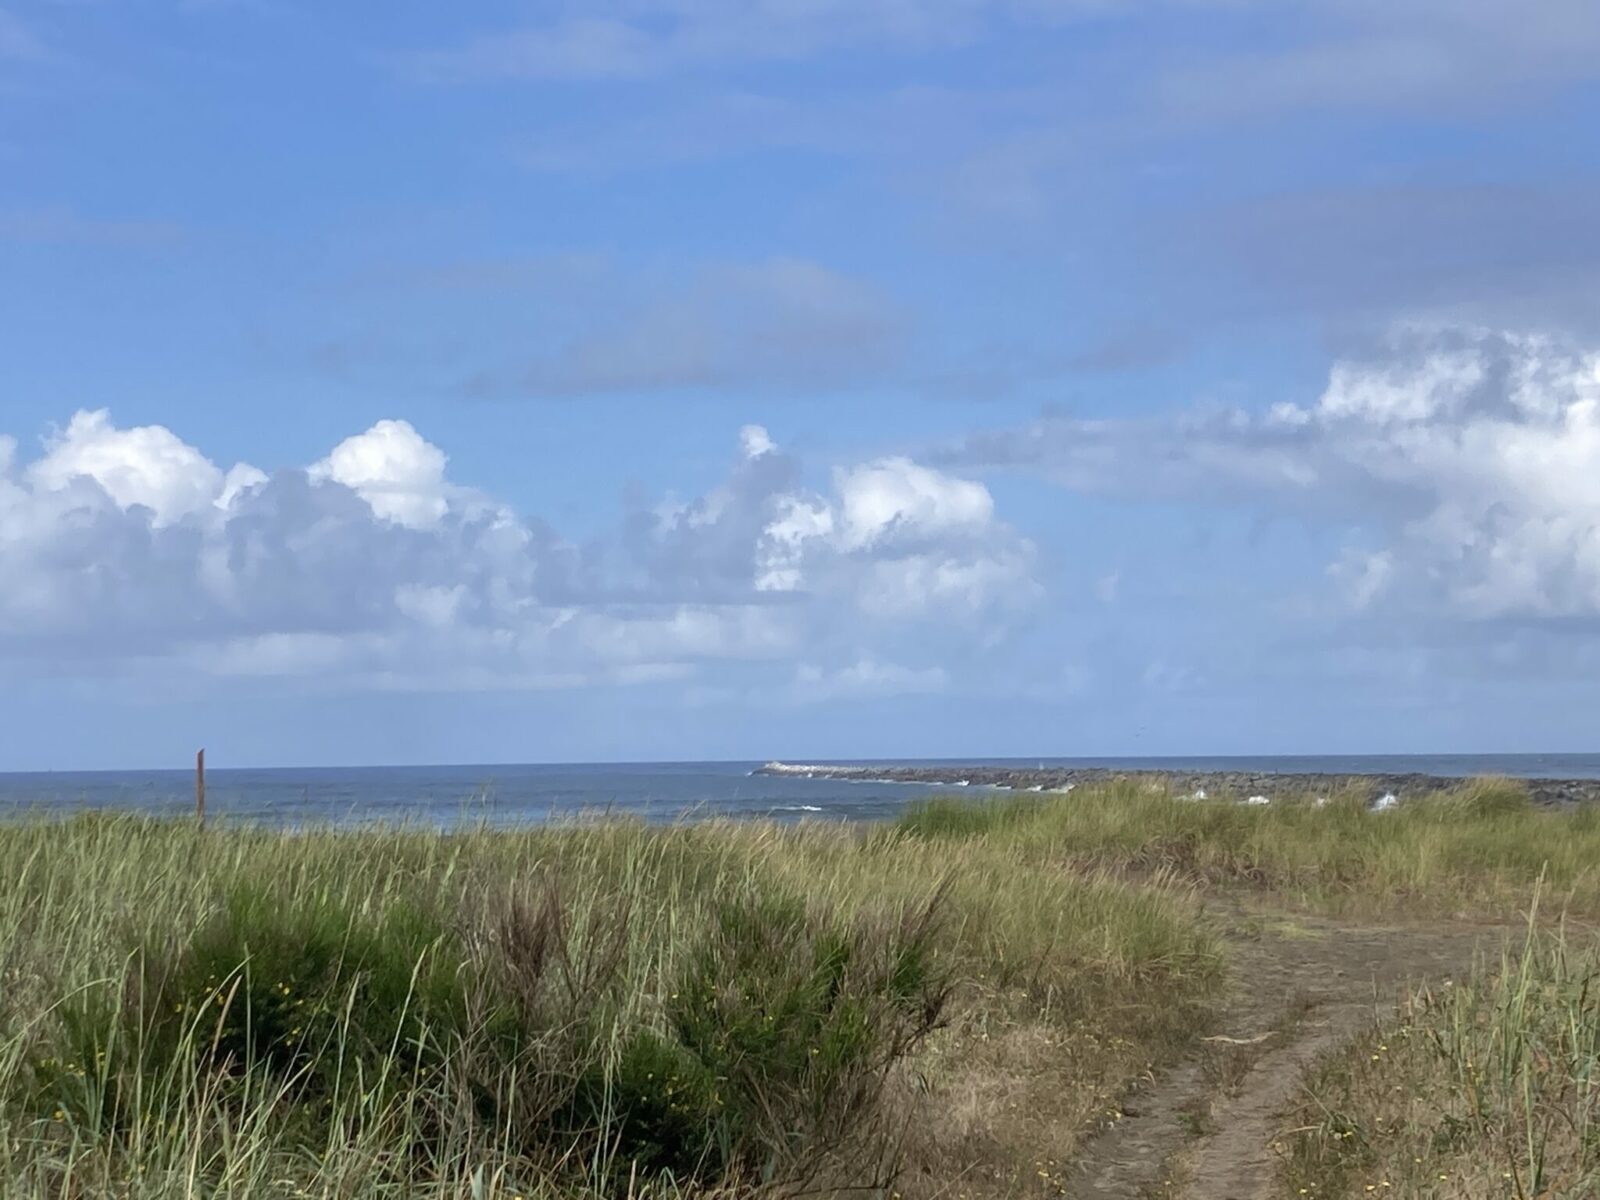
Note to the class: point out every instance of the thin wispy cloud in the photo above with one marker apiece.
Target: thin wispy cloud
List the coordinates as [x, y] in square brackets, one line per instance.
[66, 226]
[632, 40]
[1411, 55]
[594, 328]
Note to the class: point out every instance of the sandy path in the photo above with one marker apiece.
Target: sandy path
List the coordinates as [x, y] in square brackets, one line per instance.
[1204, 1129]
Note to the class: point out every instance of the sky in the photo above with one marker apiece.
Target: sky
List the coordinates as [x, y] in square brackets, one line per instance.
[747, 379]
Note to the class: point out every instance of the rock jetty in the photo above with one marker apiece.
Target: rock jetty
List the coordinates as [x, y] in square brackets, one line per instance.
[1554, 793]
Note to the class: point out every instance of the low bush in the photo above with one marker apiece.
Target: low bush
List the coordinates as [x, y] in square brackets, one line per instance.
[318, 1001]
[765, 1058]
[802, 1016]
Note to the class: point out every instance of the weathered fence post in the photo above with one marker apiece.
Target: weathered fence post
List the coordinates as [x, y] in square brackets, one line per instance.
[200, 787]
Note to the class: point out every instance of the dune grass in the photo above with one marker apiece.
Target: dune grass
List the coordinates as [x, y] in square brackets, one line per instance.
[1477, 850]
[942, 1006]
[599, 1009]
[1485, 1088]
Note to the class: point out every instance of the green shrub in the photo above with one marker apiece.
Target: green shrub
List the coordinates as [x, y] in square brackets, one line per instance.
[540, 1013]
[771, 1045]
[309, 993]
[661, 1106]
[285, 983]
[801, 1015]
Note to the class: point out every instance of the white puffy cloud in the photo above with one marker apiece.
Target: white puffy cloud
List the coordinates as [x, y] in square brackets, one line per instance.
[1463, 463]
[898, 539]
[146, 466]
[372, 568]
[239, 479]
[796, 523]
[755, 441]
[896, 495]
[392, 468]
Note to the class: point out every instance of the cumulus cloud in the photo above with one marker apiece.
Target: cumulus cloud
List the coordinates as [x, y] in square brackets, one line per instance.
[147, 466]
[394, 470]
[755, 441]
[903, 539]
[891, 538]
[879, 498]
[1463, 463]
[371, 567]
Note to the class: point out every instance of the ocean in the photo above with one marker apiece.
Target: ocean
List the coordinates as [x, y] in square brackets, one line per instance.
[510, 795]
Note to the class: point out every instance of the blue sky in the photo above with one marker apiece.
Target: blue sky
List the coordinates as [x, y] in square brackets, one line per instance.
[698, 379]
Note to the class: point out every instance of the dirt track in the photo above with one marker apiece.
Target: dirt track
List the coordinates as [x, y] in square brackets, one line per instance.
[1204, 1129]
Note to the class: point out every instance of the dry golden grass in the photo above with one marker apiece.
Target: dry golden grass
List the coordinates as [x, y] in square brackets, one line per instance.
[944, 1008]
[1053, 986]
[1475, 851]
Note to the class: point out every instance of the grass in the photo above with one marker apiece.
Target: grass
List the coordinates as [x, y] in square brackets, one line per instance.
[588, 1010]
[1474, 851]
[1486, 1088]
[943, 1007]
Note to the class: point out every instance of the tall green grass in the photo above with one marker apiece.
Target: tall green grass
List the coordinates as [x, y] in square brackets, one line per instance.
[1490, 1087]
[1478, 849]
[593, 1010]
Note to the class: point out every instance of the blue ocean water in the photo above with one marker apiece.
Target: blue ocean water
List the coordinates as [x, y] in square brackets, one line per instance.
[531, 794]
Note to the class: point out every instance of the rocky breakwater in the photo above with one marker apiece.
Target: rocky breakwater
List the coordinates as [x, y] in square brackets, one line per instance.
[1238, 785]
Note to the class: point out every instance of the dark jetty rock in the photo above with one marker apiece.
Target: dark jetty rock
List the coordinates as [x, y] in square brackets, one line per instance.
[1552, 793]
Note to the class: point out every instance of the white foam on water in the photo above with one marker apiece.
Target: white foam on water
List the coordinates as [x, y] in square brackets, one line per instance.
[1038, 787]
[798, 808]
[812, 769]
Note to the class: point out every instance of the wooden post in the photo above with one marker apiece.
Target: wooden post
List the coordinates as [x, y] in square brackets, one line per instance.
[200, 787]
